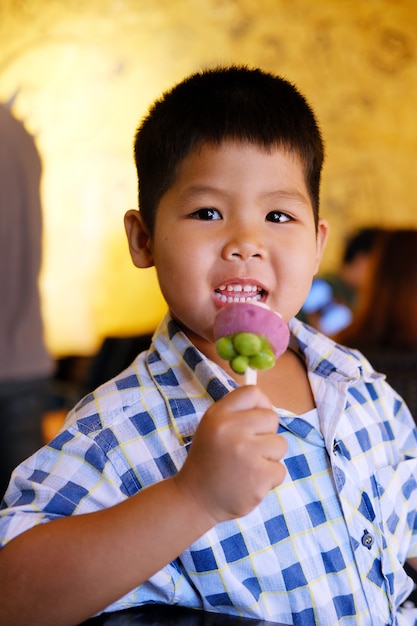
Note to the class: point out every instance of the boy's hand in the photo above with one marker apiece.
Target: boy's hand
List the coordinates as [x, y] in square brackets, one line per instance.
[235, 457]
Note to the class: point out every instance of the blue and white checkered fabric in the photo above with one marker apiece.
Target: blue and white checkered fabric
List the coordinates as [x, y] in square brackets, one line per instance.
[325, 547]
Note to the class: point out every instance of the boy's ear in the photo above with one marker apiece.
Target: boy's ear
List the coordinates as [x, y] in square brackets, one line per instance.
[322, 236]
[139, 239]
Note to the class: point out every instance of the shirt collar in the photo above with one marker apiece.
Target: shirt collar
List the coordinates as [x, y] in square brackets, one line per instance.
[325, 358]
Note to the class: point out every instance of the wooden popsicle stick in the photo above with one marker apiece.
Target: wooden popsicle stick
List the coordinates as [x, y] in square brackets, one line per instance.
[251, 376]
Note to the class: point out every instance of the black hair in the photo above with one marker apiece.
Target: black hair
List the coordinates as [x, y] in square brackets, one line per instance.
[226, 103]
[361, 242]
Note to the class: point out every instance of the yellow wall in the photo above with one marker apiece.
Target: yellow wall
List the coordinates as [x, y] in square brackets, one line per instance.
[84, 74]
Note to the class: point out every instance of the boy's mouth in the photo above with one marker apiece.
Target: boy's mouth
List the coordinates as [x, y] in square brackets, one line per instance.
[235, 292]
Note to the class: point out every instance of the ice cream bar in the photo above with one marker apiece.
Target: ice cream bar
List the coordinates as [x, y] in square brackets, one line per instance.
[250, 336]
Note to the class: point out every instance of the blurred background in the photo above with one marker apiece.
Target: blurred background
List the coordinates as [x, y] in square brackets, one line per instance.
[81, 75]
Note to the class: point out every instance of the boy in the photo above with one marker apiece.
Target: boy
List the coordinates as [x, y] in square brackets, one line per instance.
[293, 500]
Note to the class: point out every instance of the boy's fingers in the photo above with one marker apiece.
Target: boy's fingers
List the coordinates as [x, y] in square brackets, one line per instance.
[274, 448]
[248, 396]
[259, 421]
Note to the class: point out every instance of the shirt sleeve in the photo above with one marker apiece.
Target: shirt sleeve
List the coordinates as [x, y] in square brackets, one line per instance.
[71, 475]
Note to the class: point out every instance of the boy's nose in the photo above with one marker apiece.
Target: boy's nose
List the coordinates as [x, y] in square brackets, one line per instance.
[244, 246]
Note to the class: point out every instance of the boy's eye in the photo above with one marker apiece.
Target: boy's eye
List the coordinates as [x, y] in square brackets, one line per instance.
[206, 214]
[277, 216]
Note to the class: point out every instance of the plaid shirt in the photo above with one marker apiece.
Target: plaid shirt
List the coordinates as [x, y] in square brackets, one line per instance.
[326, 546]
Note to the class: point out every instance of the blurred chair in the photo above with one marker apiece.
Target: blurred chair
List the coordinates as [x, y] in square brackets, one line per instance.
[114, 355]
[400, 369]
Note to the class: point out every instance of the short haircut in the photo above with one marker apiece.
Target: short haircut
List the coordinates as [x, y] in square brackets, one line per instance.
[232, 103]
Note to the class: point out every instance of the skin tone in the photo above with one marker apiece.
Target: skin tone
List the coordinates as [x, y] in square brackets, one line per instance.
[235, 216]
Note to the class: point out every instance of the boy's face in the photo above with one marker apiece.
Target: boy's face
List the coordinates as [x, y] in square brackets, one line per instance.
[237, 221]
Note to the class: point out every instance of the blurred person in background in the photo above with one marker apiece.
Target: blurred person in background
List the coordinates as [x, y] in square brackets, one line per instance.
[333, 296]
[25, 364]
[384, 325]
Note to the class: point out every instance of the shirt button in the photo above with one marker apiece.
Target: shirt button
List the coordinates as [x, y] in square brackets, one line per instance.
[367, 539]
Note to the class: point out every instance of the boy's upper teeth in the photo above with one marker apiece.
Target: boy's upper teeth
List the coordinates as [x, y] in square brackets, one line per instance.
[238, 293]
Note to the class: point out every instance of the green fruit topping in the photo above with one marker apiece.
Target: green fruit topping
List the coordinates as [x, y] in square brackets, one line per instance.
[244, 350]
[239, 364]
[262, 361]
[265, 344]
[225, 349]
[247, 344]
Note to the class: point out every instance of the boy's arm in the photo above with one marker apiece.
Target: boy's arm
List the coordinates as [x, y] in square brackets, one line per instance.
[64, 571]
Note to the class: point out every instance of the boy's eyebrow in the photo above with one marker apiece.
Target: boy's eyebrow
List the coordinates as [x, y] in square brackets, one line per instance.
[194, 191]
[294, 196]
[287, 194]
[197, 189]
